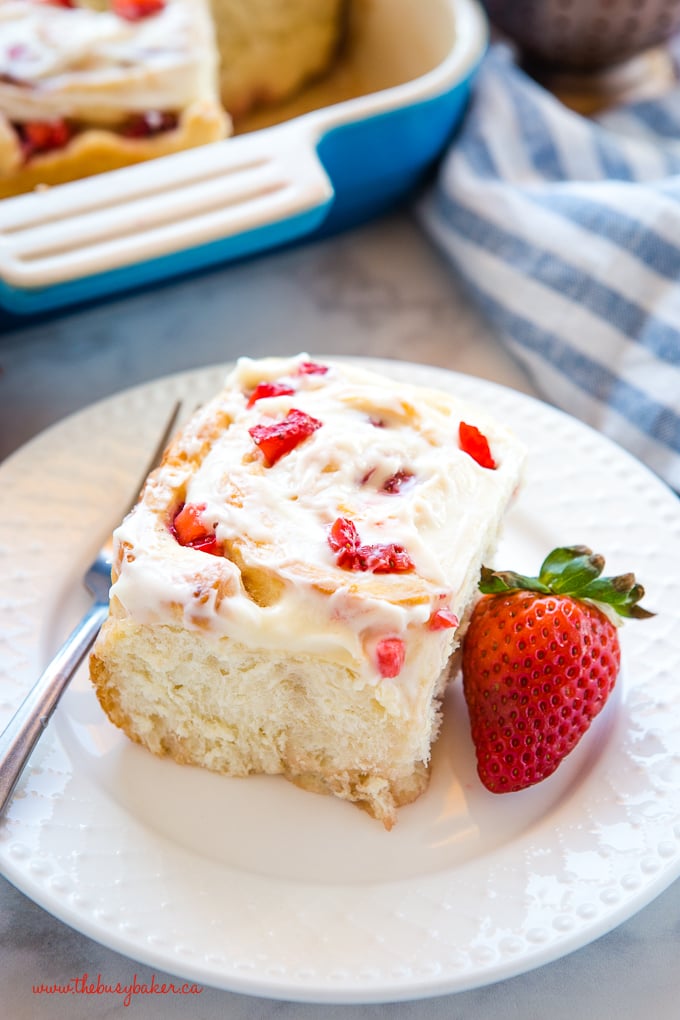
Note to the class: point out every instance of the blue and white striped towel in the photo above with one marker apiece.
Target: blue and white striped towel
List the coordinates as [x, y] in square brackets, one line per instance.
[567, 232]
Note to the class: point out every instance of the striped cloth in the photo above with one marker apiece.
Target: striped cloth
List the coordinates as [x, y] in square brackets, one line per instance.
[566, 230]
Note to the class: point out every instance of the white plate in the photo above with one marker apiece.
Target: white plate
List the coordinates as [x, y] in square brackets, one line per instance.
[258, 887]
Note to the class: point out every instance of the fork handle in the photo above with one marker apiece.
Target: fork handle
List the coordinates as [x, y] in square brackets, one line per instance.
[31, 718]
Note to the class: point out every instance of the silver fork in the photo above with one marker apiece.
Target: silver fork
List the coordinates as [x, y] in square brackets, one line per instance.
[27, 725]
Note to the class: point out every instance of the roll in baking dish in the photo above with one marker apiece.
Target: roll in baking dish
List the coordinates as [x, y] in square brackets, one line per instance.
[89, 86]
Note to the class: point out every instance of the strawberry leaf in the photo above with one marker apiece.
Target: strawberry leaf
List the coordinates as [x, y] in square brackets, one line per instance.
[494, 581]
[573, 571]
[566, 570]
[555, 561]
[623, 593]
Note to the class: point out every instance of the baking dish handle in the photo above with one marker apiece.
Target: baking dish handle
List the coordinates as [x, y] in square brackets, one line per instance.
[245, 194]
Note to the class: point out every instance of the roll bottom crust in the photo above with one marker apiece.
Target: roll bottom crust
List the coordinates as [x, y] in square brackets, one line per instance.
[241, 711]
[97, 150]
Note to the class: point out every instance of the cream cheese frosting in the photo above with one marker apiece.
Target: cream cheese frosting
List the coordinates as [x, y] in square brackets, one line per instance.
[386, 457]
[94, 66]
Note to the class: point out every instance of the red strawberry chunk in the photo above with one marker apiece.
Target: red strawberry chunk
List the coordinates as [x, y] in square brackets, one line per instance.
[189, 529]
[475, 443]
[390, 654]
[397, 481]
[209, 544]
[281, 437]
[311, 368]
[390, 558]
[343, 539]
[442, 619]
[384, 559]
[58, 3]
[269, 389]
[136, 10]
[43, 136]
[187, 524]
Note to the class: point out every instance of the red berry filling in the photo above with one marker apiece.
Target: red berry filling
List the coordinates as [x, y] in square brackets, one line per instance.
[189, 529]
[38, 136]
[397, 481]
[390, 654]
[269, 389]
[17, 51]
[281, 437]
[280, 389]
[136, 10]
[475, 443]
[58, 3]
[146, 125]
[311, 368]
[343, 539]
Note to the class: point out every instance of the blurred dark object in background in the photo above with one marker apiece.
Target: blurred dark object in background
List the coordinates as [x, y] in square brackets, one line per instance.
[584, 35]
[593, 54]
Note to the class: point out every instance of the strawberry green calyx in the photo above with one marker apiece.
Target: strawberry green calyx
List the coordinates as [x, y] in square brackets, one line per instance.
[574, 571]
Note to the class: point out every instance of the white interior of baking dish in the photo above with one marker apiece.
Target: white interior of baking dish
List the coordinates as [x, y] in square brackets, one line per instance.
[388, 43]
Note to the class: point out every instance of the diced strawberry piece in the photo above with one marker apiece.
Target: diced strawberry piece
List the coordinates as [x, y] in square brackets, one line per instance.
[58, 3]
[136, 10]
[475, 443]
[209, 544]
[384, 559]
[442, 619]
[397, 481]
[44, 135]
[281, 437]
[189, 529]
[343, 539]
[311, 368]
[149, 124]
[269, 389]
[390, 654]
[390, 558]
[188, 525]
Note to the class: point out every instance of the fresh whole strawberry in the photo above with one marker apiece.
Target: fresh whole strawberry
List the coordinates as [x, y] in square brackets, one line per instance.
[540, 658]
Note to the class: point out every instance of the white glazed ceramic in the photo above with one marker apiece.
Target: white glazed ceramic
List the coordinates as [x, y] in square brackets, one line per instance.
[256, 886]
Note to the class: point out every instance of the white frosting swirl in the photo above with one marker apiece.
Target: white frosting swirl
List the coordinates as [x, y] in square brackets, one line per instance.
[274, 521]
[97, 67]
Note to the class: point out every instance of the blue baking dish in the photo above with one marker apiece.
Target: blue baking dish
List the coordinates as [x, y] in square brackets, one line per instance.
[310, 175]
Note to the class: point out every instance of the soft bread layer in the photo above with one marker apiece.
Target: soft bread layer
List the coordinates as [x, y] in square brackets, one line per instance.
[266, 657]
[268, 50]
[231, 709]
